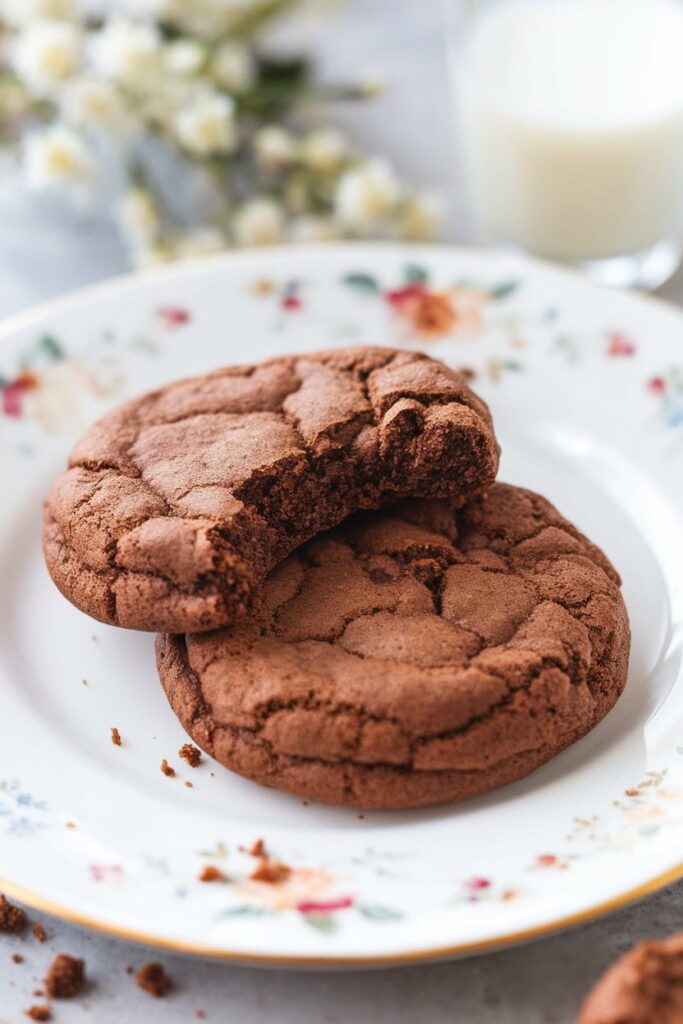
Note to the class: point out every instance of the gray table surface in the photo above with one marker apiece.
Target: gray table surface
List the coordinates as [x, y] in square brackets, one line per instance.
[41, 255]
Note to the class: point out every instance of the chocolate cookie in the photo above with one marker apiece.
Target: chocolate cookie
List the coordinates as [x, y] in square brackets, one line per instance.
[177, 504]
[644, 987]
[412, 656]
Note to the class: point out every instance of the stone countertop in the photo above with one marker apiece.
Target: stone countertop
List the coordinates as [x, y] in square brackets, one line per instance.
[540, 983]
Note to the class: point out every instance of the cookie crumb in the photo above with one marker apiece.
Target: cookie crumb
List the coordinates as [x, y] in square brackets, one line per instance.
[17, 958]
[70, 824]
[166, 769]
[191, 754]
[189, 785]
[85, 682]
[258, 849]
[38, 1013]
[271, 871]
[12, 919]
[129, 969]
[209, 873]
[66, 977]
[115, 736]
[38, 993]
[200, 1015]
[152, 978]
[39, 932]
[361, 817]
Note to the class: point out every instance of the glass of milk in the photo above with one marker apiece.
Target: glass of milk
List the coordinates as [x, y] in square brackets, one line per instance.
[571, 130]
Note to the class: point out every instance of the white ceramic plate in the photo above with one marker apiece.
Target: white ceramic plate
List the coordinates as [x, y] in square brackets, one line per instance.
[586, 388]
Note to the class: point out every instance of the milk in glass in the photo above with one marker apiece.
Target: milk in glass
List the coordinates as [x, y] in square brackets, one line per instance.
[572, 121]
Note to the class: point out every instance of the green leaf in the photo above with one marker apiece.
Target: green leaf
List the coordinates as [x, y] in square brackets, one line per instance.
[50, 347]
[322, 922]
[244, 910]
[414, 274]
[45, 349]
[502, 290]
[219, 852]
[378, 913]
[362, 282]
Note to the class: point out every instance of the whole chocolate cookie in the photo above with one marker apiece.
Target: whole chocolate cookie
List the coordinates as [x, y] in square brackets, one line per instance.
[644, 987]
[412, 656]
[177, 504]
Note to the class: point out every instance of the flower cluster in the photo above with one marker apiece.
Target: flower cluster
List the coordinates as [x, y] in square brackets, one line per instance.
[189, 87]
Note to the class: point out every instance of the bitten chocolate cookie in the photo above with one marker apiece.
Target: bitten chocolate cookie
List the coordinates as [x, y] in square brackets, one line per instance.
[412, 656]
[177, 504]
[644, 987]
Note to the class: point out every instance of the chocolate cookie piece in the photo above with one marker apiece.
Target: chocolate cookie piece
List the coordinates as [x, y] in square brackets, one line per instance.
[177, 504]
[412, 656]
[643, 987]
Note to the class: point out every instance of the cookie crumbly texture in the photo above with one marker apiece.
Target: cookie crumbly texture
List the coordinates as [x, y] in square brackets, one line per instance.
[152, 978]
[191, 754]
[40, 1013]
[66, 977]
[413, 656]
[12, 918]
[176, 505]
[643, 987]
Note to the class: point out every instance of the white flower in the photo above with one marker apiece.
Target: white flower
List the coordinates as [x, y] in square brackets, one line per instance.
[259, 222]
[233, 67]
[274, 147]
[57, 157]
[184, 57]
[145, 257]
[200, 242]
[47, 53]
[367, 196]
[138, 216]
[419, 218]
[126, 50]
[324, 150]
[23, 12]
[206, 125]
[93, 103]
[312, 229]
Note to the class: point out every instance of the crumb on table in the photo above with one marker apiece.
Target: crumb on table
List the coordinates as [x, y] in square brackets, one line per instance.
[115, 736]
[166, 769]
[66, 977]
[12, 919]
[38, 1012]
[152, 978]
[39, 932]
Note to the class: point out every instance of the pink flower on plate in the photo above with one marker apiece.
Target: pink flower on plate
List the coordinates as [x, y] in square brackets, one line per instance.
[618, 344]
[13, 394]
[477, 884]
[172, 317]
[324, 906]
[109, 874]
[301, 886]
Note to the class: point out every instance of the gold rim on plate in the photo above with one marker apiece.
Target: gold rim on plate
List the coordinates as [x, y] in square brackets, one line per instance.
[458, 950]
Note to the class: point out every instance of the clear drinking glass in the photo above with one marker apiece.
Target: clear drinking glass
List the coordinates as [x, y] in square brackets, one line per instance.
[570, 128]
